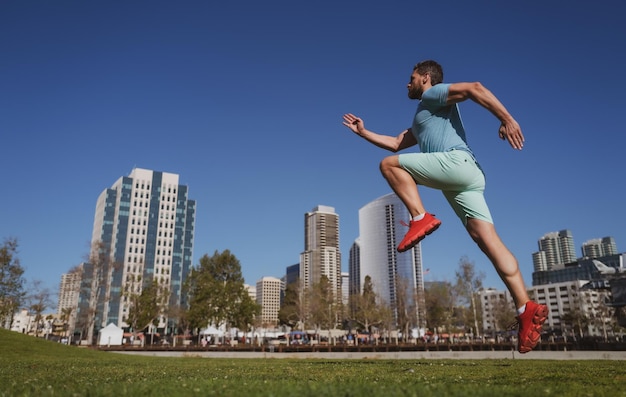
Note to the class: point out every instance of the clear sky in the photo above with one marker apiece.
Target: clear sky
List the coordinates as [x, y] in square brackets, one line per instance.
[244, 100]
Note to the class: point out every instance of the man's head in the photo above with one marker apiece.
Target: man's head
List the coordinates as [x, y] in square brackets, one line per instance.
[432, 68]
[425, 75]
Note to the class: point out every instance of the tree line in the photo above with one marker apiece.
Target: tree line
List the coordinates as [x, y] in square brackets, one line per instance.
[215, 294]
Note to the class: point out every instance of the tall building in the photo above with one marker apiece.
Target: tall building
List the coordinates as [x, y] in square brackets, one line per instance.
[345, 285]
[268, 290]
[556, 248]
[69, 291]
[392, 273]
[321, 255]
[143, 232]
[599, 247]
[540, 263]
[354, 269]
[292, 274]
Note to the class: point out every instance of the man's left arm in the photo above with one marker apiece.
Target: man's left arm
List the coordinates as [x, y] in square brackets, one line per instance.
[509, 128]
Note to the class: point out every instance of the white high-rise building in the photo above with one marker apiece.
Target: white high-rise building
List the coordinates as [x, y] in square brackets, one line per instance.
[599, 247]
[268, 291]
[555, 249]
[69, 291]
[321, 255]
[143, 232]
[392, 273]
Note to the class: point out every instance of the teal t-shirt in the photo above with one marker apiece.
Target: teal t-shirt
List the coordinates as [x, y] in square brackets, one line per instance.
[437, 126]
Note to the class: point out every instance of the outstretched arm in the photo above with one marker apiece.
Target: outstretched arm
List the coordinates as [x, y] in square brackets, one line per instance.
[509, 128]
[404, 140]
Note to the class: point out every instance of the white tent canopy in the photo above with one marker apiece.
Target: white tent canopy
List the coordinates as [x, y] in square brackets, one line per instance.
[111, 335]
[212, 331]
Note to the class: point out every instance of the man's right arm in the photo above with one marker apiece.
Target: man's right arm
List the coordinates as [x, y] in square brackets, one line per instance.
[394, 144]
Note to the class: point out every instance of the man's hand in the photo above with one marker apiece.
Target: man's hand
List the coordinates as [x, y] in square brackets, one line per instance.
[512, 132]
[354, 123]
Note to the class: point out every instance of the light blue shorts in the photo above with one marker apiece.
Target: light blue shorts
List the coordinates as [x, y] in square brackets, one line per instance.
[457, 174]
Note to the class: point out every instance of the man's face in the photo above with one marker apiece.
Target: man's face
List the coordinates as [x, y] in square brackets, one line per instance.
[416, 85]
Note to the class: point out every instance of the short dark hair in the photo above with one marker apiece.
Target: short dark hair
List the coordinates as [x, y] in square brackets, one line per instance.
[432, 68]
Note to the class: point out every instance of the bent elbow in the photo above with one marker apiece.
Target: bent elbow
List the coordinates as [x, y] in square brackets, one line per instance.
[476, 89]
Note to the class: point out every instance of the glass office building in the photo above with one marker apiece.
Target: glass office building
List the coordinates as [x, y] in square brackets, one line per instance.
[143, 231]
[392, 273]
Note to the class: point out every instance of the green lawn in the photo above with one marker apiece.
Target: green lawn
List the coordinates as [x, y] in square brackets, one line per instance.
[34, 367]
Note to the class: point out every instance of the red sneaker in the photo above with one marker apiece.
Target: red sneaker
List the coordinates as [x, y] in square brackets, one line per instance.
[530, 323]
[417, 231]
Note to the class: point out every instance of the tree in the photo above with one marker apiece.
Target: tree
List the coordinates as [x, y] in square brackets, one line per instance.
[406, 310]
[217, 295]
[11, 281]
[145, 306]
[95, 274]
[468, 282]
[503, 313]
[601, 315]
[39, 301]
[439, 306]
[575, 318]
[179, 317]
[246, 312]
[293, 309]
[368, 312]
[322, 305]
[66, 315]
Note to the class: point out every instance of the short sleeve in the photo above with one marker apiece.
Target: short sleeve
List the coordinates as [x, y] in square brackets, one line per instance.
[437, 95]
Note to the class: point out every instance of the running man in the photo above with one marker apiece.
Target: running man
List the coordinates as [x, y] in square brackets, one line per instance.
[445, 162]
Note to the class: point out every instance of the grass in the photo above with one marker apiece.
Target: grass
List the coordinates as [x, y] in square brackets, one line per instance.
[35, 367]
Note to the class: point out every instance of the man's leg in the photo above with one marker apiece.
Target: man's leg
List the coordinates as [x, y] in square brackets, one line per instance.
[531, 319]
[484, 234]
[405, 187]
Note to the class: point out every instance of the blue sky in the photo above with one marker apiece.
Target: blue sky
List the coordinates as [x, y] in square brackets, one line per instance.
[244, 99]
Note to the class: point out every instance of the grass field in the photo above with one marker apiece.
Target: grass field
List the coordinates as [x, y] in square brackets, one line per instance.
[35, 367]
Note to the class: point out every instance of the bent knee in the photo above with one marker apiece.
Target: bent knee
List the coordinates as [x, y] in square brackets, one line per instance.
[482, 232]
[389, 163]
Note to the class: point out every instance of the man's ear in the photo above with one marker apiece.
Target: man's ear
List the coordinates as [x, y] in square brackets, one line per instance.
[425, 78]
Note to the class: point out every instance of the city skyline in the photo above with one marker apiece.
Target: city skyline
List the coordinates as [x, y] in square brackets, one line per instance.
[323, 208]
[281, 273]
[245, 100]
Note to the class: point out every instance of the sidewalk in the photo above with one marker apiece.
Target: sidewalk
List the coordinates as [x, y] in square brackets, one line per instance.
[420, 355]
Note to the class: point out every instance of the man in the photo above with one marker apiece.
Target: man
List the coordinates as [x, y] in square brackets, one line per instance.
[446, 163]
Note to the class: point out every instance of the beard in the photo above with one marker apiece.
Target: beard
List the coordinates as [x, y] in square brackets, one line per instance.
[414, 94]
